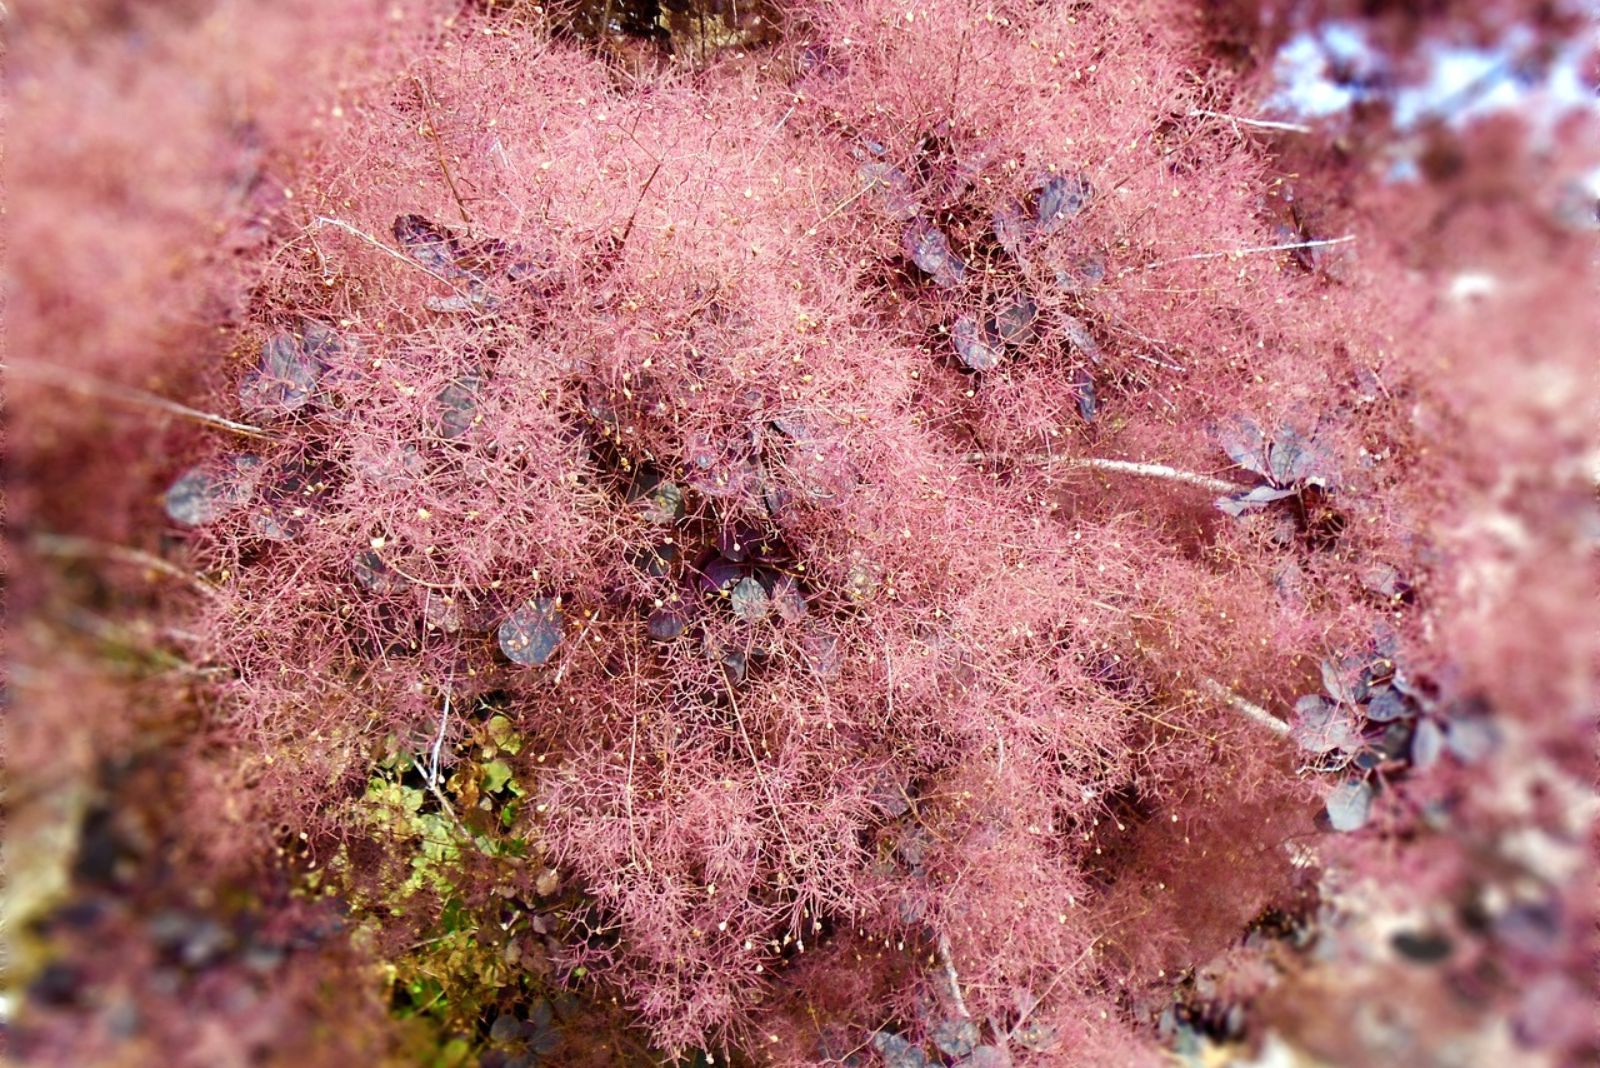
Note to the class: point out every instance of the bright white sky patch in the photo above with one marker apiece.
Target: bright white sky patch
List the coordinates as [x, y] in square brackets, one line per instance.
[1324, 72]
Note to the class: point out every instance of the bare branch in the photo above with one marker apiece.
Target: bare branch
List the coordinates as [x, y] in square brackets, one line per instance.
[76, 382]
[1265, 124]
[75, 548]
[950, 974]
[1125, 467]
[325, 220]
[1249, 709]
[1288, 246]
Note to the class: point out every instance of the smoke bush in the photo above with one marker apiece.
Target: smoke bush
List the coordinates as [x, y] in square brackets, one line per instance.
[888, 486]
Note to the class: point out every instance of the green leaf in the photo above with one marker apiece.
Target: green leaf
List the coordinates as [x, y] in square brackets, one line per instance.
[496, 774]
[455, 1054]
[504, 735]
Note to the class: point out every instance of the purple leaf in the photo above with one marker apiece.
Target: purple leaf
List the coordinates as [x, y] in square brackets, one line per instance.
[1013, 324]
[897, 1052]
[208, 491]
[285, 379]
[787, 600]
[529, 636]
[428, 243]
[1253, 501]
[458, 405]
[956, 1038]
[1321, 727]
[1083, 389]
[1427, 745]
[1083, 274]
[1061, 200]
[374, 575]
[749, 601]
[898, 198]
[1080, 337]
[1349, 805]
[1291, 458]
[821, 648]
[1386, 706]
[719, 574]
[927, 247]
[662, 505]
[1471, 738]
[666, 623]
[1241, 438]
[288, 499]
[1342, 684]
[974, 344]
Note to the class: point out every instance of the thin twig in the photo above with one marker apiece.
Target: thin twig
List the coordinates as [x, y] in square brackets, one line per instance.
[1125, 467]
[1173, 474]
[77, 382]
[1249, 709]
[1289, 246]
[74, 548]
[811, 231]
[438, 743]
[950, 974]
[432, 130]
[634, 214]
[431, 775]
[1265, 124]
[792, 854]
[392, 566]
[1159, 362]
[326, 220]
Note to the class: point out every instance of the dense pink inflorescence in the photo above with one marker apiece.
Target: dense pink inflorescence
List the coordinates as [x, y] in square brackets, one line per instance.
[817, 458]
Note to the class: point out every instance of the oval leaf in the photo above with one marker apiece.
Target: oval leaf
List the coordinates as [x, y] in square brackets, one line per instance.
[1340, 683]
[458, 405]
[975, 345]
[1241, 438]
[666, 623]
[956, 1038]
[211, 490]
[1080, 337]
[1061, 200]
[749, 601]
[1349, 805]
[285, 379]
[1013, 324]
[663, 505]
[427, 243]
[1253, 501]
[374, 575]
[530, 635]
[928, 248]
[897, 1052]
[720, 574]
[1322, 726]
[1083, 389]
[787, 599]
[1427, 745]
[1387, 705]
